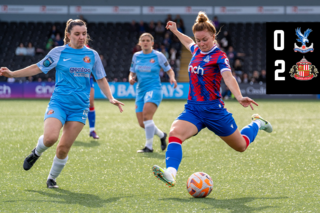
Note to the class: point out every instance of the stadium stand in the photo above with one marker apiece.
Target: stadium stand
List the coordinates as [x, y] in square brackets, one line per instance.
[115, 42]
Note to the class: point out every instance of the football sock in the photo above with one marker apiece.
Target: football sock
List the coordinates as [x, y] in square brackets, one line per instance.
[250, 132]
[174, 153]
[158, 132]
[57, 167]
[40, 148]
[149, 129]
[91, 118]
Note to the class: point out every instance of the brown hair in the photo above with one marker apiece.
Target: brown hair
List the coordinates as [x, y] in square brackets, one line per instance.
[203, 23]
[70, 24]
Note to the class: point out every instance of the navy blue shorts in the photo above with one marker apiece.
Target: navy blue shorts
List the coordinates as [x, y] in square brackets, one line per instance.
[212, 115]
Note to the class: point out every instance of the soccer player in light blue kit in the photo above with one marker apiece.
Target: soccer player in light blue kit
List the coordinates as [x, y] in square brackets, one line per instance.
[146, 65]
[68, 107]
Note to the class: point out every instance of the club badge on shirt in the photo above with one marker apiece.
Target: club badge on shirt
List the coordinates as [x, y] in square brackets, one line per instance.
[86, 59]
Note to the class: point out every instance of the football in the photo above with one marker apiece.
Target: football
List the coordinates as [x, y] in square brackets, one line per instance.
[199, 185]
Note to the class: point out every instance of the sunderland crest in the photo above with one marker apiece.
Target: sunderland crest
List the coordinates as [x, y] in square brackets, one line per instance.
[303, 70]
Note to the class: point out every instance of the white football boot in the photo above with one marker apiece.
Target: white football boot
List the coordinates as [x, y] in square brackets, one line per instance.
[265, 125]
[164, 175]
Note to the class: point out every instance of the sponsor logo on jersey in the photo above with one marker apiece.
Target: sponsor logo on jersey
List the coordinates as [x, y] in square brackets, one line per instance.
[80, 71]
[152, 60]
[66, 59]
[166, 64]
[303, 38]
[144, 68]
[196, 70]
[207, 59]
[48, 62]
[86, 59]
[303, 70]
[50, 112]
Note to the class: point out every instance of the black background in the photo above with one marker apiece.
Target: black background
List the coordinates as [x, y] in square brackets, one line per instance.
[291, 85]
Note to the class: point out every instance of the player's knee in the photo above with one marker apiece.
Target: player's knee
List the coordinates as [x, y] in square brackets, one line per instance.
[62, 152]
[174, 132]
[240, 148]
[50, 139]
[146, 117]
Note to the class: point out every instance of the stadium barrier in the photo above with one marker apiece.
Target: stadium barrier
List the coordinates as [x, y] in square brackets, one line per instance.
[121, 90]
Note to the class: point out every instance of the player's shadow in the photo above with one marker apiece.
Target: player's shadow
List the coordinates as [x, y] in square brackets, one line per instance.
[67, 197]
[92, 143]
[153, 155]
[237, 205]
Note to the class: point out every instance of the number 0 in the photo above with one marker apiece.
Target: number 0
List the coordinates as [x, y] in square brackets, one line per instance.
[275, 40]
[281, 70]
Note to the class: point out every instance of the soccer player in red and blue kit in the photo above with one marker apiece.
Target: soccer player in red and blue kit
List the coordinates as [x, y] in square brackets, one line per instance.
[205, 107]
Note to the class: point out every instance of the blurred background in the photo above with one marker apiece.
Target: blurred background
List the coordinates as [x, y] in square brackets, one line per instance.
[30, 29]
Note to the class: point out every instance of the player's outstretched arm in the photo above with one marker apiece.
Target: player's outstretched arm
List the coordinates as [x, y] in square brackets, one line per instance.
[184, 39]
[172, 78]
[104, 86]
[234, 88]
[25, 72]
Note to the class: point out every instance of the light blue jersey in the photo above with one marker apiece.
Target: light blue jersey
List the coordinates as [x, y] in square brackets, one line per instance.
[147, 67]
[73, 70]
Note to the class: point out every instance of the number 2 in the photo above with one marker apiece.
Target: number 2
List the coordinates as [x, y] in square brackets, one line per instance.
[281, 70]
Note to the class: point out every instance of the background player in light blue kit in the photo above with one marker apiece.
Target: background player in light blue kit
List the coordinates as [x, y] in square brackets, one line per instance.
[146, 65]
[68, 106]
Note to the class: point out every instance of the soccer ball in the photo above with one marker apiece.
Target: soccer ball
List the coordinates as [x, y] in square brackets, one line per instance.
[199, 185]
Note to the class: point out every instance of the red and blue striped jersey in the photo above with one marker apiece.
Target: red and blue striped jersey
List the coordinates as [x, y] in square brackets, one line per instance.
[205, 70]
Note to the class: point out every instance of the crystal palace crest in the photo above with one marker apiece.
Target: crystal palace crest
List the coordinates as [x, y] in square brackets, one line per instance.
[303, 38]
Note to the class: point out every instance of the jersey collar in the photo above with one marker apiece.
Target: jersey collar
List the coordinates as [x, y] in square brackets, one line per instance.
[213, 48]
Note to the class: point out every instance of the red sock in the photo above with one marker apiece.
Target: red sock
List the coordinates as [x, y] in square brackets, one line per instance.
[247, 140]
[175, 140]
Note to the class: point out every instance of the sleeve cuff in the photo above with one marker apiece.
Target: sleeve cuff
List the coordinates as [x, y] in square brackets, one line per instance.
[225, 69]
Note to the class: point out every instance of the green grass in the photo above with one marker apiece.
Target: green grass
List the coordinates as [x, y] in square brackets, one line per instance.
[278, 173]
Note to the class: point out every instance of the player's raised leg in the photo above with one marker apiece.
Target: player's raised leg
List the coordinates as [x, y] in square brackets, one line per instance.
[52, 127]
[71, 131]
[240, 140]
[180, 131]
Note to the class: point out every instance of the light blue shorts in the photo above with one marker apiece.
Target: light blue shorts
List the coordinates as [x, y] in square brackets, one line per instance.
[153, 96]
[56, 111]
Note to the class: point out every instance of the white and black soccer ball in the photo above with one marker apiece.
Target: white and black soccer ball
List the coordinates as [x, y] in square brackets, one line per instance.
[199, 185]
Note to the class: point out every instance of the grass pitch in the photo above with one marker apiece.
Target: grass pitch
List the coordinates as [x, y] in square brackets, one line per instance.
[278, 173]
